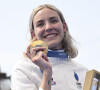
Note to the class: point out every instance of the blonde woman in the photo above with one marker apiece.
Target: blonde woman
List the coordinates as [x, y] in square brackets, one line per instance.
[56, 70]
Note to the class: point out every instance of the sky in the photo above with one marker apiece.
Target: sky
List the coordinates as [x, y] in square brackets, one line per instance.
[82, 18]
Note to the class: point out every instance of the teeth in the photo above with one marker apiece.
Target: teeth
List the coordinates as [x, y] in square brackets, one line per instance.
[50, 36]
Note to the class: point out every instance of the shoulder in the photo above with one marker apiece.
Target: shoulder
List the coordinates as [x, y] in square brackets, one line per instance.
[23, 75]
[24, 65]
[77, 65]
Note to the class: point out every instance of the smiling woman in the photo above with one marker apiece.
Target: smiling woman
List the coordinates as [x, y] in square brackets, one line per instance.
[39, 71]
[48, 27]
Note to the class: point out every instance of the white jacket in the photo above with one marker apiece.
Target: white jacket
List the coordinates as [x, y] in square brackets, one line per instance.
[28, 76]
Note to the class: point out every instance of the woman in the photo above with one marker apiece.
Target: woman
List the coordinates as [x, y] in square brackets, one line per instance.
[56, 70]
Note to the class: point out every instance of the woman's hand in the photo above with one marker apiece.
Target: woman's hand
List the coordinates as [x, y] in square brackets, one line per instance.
[40, 59]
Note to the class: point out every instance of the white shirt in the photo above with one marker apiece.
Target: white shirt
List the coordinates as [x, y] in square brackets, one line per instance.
[28, 76]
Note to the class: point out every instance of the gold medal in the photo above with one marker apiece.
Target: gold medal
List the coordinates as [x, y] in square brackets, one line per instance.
[39, 43]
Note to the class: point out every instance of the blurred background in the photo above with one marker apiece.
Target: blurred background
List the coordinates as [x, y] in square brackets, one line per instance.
[82, 17]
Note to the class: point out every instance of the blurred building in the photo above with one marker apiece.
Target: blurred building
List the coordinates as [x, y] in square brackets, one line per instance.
[4, 82]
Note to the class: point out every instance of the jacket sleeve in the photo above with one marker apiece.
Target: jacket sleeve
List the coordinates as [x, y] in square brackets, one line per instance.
[19, 81]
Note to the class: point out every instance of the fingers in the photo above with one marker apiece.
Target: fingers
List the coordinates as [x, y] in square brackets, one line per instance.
[34, 39]
[38, 49]
[41, 60]
[41, 55]
[33, 51]
[38, 57]
[45, 57]
[27, 51]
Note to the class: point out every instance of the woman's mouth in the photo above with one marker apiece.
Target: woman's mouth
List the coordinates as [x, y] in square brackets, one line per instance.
[50, 36]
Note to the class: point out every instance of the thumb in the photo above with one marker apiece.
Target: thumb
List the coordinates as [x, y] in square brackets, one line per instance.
[34, 38]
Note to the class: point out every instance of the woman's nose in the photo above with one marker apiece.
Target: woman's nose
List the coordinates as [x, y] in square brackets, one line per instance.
[48, 27]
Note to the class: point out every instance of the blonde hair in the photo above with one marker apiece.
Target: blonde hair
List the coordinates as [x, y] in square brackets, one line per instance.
[67, 42]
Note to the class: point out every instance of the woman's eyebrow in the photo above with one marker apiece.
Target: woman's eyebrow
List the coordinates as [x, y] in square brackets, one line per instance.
[39, 21]
[50, 18]
[53, 17]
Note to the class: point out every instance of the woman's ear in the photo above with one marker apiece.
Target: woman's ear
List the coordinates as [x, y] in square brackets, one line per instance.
[32, 35]
[65, 27]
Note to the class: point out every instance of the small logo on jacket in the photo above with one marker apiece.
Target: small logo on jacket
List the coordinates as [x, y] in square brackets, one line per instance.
[53, 82]
[78, 84]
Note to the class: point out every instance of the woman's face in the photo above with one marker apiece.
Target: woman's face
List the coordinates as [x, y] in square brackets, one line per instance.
[49, 28]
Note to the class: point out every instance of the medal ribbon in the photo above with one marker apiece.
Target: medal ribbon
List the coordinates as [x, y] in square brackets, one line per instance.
[57, 54]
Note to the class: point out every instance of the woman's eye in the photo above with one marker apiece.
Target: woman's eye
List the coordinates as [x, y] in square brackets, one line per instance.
[54, 21]
[40, 24]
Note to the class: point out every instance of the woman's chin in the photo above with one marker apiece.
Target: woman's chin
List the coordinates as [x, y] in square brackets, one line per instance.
[54, 46]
